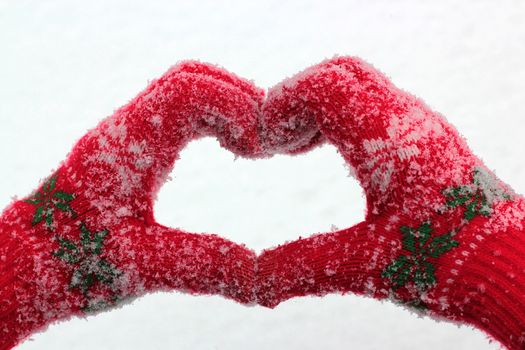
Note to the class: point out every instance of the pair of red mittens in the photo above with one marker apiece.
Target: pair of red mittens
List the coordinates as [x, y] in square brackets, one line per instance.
[442, 234]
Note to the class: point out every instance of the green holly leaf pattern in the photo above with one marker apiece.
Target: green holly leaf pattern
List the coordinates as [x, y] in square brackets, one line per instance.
[409, 238]
[47, 200]
[441, 244]
[68, 251]
[421, 247]
[39, 215]
[415, 266]
[89, 268]
[474, 197]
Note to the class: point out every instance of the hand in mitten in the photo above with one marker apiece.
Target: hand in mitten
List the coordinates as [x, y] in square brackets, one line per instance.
[442, 235]
[87, 239]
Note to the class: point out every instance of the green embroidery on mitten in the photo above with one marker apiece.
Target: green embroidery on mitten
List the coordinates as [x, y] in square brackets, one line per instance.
[89, 267]
[84, 255]
[477, 197]
[47, 200]
[416, 266]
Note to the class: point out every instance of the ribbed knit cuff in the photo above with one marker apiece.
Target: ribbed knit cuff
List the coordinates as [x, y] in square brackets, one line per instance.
[10, 251]
[493, 286]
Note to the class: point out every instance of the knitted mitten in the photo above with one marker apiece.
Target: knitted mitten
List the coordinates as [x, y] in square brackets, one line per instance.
[443, 235]
[87, 239]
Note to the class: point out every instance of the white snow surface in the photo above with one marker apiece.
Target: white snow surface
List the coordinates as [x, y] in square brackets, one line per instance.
[64, 65]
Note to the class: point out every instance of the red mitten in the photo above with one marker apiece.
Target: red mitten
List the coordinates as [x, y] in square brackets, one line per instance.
[87, 239]
[443, 235]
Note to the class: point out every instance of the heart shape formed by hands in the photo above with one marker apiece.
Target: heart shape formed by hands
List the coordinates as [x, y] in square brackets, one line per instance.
[442, 234]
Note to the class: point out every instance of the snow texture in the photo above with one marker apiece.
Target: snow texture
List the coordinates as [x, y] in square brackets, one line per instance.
[64, 66]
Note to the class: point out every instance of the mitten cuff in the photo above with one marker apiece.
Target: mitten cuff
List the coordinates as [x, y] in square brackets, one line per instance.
[10, 251]
[493, 288]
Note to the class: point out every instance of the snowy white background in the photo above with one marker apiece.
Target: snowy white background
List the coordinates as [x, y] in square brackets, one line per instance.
[64, 65]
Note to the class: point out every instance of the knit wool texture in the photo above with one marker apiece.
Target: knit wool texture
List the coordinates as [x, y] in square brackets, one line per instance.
[442, 235]
[86, 240]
